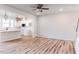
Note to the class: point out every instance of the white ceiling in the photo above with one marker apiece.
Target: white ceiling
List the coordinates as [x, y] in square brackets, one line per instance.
[53, 8]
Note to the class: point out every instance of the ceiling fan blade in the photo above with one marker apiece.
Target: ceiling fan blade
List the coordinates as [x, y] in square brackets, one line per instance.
[45, 8]
[39, 6]
[34, 9]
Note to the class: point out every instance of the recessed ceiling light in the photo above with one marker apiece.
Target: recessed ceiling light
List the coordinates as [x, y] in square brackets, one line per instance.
[61, 9]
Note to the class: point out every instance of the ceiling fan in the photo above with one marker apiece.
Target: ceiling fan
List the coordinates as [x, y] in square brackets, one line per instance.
[40, 7]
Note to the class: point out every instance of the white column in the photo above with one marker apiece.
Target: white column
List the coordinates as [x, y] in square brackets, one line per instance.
[34, 27]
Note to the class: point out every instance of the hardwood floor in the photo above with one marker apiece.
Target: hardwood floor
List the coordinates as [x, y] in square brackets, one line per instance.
[29, 45]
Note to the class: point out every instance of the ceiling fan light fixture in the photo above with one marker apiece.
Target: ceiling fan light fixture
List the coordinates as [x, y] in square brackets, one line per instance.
[37, 10]
[38, 13]
[40, 8]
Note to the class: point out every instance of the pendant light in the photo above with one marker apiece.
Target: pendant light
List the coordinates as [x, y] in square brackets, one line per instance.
[5, 16]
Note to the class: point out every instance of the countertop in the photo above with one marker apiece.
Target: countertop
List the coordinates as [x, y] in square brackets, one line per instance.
[9, 31]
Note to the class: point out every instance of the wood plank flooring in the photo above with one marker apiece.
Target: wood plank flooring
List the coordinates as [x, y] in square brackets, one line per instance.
[29, 45]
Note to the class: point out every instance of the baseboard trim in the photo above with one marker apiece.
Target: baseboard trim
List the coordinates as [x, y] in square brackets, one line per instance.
[54, 38]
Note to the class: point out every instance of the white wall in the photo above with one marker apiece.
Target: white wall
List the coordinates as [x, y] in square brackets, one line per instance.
[58, 26]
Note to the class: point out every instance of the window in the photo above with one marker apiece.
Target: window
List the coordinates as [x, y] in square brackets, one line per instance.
[12, 23]
[7, 23]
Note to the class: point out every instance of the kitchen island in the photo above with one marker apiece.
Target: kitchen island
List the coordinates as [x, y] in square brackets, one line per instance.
[9, 35]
